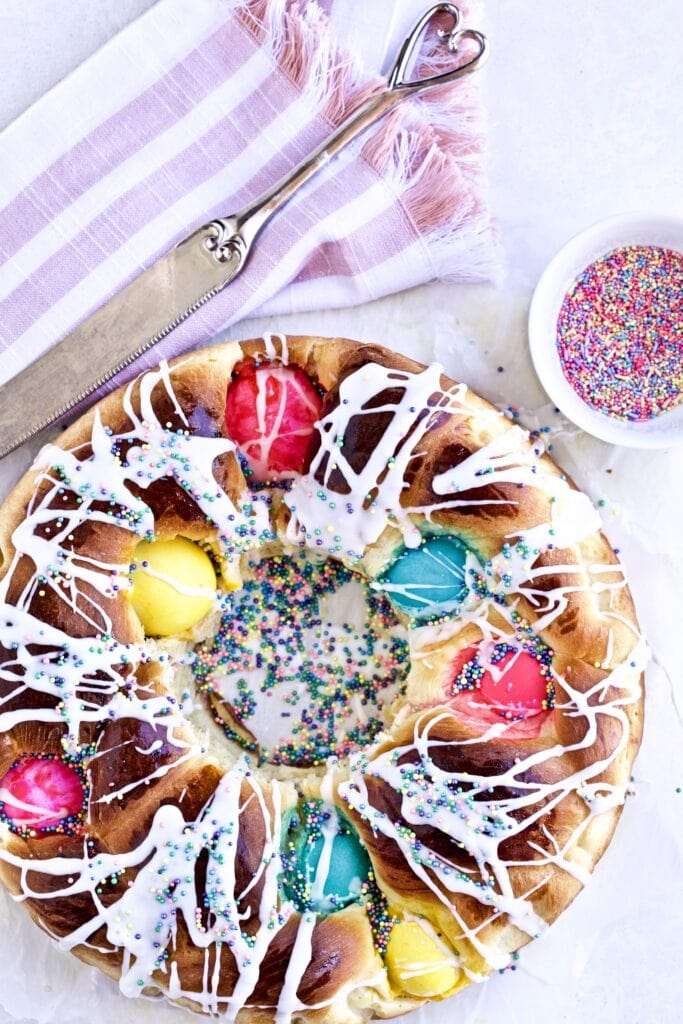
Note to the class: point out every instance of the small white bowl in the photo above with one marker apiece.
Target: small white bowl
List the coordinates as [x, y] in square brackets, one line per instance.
[558, 277]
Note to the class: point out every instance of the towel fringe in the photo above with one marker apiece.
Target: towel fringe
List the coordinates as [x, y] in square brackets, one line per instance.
[297, 34]
[444, 203]
[425, 151]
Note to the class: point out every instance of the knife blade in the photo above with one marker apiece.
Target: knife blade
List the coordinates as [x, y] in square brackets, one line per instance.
[133, 320]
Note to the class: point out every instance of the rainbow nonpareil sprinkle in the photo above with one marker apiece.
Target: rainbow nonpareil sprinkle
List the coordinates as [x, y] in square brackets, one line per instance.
[620, 333]
[326, 681]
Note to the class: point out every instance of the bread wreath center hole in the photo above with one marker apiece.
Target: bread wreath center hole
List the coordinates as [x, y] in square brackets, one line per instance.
[306, 663]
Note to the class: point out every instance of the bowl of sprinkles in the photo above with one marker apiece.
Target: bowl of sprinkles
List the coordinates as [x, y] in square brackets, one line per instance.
[606, 330]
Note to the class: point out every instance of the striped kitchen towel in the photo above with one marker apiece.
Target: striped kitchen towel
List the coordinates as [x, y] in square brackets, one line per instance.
[190, 113]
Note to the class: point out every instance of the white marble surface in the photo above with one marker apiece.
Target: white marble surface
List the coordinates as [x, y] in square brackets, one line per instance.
[586, 121]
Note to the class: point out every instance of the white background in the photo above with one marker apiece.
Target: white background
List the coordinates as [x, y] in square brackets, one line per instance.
[585, 103]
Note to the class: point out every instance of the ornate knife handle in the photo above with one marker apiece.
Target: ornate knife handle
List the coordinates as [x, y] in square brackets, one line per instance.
[232, 237]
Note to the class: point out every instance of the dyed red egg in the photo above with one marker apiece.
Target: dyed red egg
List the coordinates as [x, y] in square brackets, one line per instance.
[270, 413]
[515, 683]
[40, 792]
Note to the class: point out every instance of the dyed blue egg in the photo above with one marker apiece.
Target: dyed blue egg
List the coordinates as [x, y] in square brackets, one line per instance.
[430, 580]
[313, 826]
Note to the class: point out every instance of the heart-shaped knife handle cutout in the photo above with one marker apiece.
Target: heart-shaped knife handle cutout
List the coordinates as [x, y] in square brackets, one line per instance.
[453, 39]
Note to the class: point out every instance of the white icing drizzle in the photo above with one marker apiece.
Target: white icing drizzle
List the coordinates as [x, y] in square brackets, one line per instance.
[132, 922]
[271, 349]
[64, 667]
[550, 604]
[152, 452]
[346, 523]
[512, 458]
[448, 955]
[300, 957]
[143, 922]
[481, 824]
[424, 594]
[258, 451]
[609, 653]
[180, 588]
[38, 814]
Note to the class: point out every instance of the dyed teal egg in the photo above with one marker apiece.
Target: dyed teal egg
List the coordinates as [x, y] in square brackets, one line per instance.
[324, 862]
[430, 580]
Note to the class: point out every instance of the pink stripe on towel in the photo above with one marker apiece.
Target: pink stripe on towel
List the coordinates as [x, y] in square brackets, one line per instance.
[223, 120]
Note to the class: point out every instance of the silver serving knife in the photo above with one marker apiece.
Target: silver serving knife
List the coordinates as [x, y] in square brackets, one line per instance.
[200, 266]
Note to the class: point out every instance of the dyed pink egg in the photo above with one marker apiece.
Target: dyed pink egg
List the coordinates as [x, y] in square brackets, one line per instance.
[270, 413]
[40, 792]
[514, 684]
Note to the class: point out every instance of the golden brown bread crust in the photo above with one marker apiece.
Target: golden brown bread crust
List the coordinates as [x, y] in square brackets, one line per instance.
[583, 610]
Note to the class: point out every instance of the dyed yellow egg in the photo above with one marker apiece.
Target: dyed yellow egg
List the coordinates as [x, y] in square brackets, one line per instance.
[174, 584]
[417, 964]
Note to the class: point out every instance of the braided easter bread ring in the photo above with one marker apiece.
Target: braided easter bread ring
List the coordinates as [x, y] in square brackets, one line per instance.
[319, 700]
